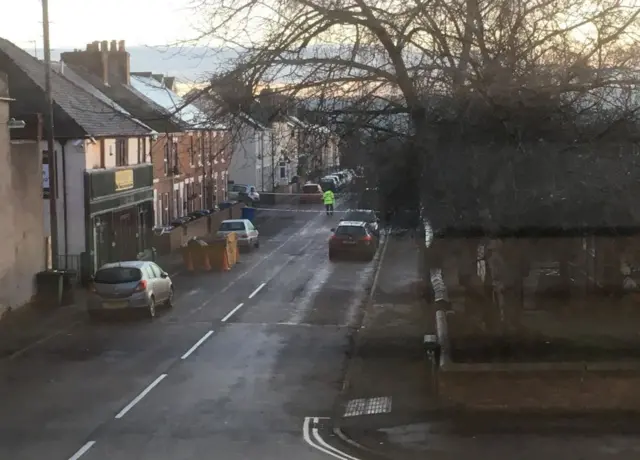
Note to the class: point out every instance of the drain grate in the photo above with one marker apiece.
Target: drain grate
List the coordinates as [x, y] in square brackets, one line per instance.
[370, 406]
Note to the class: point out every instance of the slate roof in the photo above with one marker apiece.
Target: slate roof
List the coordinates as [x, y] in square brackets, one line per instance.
[134, 102]
[76, 79]
[182, 110]
[92, 116]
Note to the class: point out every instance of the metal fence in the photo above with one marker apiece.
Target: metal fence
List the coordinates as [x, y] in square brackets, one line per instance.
[70, 262]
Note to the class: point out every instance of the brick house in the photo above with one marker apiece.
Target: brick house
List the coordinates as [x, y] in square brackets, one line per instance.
[190, 154]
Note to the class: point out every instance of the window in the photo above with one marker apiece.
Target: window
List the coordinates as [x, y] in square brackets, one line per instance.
[283, 172]
[167, 163]
[176, 169]
[232, 226]
[142, 150]
[351, 230]
[121, 152]
[117, 275]
[202, 149]
[157, 271]
[192, 153]
[165, 208]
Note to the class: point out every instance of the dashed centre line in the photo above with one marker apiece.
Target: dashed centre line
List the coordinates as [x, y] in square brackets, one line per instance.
[258, 289]
[230, 314]
[83, 450]
[138, 398]
[197, 344]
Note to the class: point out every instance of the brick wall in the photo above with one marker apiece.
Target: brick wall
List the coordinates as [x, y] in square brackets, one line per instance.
[202, 158]
[540, 390]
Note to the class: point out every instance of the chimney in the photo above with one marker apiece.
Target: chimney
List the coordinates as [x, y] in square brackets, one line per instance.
[92, 59]
[114, 46]
[104, 46]
[119, 65]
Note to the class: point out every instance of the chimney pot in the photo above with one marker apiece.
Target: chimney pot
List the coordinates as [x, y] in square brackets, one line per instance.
[104, 46]
[121, 46]
[114, 46]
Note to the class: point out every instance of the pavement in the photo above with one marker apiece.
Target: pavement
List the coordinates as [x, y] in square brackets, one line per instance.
[248, 364]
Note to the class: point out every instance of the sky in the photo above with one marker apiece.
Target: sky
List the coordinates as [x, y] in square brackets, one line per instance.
[74, 23]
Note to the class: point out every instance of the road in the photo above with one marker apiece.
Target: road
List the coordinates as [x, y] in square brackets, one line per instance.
[231, 372]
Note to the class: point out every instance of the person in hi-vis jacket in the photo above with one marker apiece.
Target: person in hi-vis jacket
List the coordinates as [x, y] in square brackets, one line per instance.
[328, 199]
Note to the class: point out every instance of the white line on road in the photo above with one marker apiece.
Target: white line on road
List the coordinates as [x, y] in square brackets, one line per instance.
[230, 314]
[258, 289]
[138, 398]
[83, 450]
[198, 343]
[313, 438]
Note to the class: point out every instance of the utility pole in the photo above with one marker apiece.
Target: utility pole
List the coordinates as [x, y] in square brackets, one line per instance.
[273, 171]
[48, 112]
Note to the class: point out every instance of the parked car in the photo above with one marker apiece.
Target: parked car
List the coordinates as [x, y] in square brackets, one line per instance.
[336, 178]
[330, 183]
[364, 215]
[245, 193]
[351, 238]
[131, 285]
[248, 235]
[311, 194]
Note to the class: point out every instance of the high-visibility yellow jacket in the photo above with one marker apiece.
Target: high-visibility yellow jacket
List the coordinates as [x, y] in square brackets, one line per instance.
[328, 197]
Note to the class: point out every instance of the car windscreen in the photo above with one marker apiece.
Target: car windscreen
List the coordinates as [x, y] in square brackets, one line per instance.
[360, 216]
[117, 275]
[239, 188]
[310, 189]
[350, 230]
[232, 227]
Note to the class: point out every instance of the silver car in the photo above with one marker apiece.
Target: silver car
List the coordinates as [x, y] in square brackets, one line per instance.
[248, 235]
[138, 285]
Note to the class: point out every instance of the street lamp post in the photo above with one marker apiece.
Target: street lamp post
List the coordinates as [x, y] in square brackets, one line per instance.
[48, 112]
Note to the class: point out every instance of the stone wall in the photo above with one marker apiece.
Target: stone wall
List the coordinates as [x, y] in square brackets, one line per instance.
[22, 237]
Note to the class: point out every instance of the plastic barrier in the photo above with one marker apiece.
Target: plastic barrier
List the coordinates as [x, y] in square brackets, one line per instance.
[223, 252]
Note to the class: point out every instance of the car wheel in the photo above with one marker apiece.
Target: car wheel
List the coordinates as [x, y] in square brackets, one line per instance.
[332, 256]
[151, 309]
[257, 243]
[169, 302]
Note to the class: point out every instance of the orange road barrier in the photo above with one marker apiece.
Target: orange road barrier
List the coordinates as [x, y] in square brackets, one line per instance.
[187, 258]
[206, 263]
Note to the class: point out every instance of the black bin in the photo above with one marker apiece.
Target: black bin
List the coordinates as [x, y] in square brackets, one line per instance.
[49, 288]
[68, 293]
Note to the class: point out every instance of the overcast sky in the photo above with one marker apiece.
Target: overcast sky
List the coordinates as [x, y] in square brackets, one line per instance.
[74, 23]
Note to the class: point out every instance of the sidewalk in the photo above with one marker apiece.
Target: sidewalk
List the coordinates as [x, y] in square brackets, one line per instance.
[28, 325]
[389, 363]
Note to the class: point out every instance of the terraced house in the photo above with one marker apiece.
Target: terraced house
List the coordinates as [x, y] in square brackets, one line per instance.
[104, 177]
[190, 152]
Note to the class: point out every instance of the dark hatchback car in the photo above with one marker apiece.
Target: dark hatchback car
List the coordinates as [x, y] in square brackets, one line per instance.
[364, 215]
[352, 238]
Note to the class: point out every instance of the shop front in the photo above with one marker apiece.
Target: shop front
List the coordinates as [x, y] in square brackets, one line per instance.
[119, 204]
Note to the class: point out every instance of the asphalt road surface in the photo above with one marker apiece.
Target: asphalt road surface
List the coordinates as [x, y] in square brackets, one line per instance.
[230, 373]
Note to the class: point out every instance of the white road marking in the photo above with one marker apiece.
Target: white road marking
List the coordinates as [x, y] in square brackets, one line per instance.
[198, 343]
[230, 314]
[370, 406]
[138, 398]
[83, 450]
[258, 289]
[313, 438]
